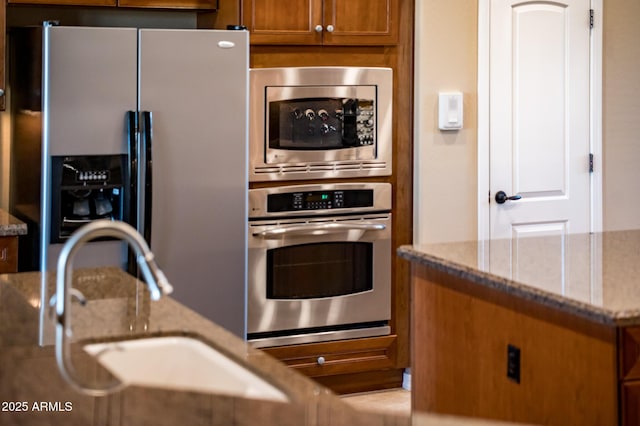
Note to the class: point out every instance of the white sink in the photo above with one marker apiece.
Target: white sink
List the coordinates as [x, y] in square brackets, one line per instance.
[181, 363]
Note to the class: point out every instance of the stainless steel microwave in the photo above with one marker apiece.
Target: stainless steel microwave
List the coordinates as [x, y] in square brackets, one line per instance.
[320, 122]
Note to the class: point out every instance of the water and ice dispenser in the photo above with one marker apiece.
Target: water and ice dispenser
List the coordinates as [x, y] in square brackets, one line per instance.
[86, 188]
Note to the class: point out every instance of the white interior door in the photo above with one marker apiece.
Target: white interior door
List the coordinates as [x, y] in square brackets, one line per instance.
[539, 128]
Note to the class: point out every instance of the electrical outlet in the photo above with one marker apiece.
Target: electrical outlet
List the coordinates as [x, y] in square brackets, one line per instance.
[513, 363]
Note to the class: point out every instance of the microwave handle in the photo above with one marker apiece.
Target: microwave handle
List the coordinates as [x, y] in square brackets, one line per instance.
[314, 228]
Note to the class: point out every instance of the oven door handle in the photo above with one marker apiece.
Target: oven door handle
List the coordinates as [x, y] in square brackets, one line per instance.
[314, 229]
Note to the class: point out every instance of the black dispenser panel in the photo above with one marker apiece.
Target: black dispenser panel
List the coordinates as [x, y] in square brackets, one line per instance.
[86, 188]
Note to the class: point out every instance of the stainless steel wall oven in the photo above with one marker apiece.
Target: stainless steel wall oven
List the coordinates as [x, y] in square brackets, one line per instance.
[319, 263]
[320, 122]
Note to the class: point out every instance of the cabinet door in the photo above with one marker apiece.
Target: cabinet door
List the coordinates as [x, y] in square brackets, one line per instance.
[3, 32]
[158, 4]
[8, 254]
[170, 4]
[373, 22]
[630, 403]
[278, 22]
[66, 2]
[339, 357]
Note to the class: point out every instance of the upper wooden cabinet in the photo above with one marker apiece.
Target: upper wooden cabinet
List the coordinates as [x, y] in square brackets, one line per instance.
[158, 4]
[327, 22]
[3, 33]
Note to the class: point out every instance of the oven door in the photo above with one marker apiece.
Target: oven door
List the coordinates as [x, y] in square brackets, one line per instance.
[317, 275]
[320, 124]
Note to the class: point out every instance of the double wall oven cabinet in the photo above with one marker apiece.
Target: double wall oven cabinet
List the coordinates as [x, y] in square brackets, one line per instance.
[322, 22]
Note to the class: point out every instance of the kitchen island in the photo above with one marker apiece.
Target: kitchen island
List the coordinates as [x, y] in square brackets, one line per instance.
[542, 330]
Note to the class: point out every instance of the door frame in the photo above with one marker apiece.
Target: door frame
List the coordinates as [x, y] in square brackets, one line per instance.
[595, 119]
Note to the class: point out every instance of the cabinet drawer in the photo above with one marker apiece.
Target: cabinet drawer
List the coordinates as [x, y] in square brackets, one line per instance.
[8, 254]
[341, 357]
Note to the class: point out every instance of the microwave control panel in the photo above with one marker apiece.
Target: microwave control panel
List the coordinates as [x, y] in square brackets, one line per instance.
[319, 200]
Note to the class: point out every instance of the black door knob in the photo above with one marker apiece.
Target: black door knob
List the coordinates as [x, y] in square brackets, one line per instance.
[501, 197]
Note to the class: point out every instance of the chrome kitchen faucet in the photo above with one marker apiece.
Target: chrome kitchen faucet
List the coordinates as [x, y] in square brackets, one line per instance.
[154, 277]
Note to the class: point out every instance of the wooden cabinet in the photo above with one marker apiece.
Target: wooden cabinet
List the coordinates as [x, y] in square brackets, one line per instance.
[346, 366]
[567, 367]
[338, 357]
[322, 22]
[170, 4]
[3, 35]
[8, 254]
[143, 4]
[629, 375]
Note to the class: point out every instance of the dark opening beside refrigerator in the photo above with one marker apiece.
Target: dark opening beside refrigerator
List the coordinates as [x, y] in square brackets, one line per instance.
[147, 126]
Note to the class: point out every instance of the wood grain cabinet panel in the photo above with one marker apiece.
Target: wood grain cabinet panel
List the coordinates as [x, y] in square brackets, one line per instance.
[629, 353]
[104, 3]
[142, 4]
[3, 35]
[170, 4]
[340, 357]
[630, 403]
[322, 22]
[8, 255]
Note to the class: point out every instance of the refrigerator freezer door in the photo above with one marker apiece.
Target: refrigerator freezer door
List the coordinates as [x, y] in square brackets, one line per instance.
[198, 100]
[89, 83]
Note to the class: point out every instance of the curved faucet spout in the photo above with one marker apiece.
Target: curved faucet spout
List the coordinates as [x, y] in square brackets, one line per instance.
[154, 277]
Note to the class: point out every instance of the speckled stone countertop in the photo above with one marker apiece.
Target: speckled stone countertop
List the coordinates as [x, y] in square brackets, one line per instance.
[32, 390]
[119, 307]
[11, 226]
[594, 276]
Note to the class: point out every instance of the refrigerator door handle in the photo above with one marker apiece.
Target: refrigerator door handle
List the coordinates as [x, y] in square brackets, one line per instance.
[146, 135]
[134, 155]
[132, 201]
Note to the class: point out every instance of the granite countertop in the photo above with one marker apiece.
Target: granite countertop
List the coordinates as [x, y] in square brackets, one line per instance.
[118, 307]
[594, 276]
[11, 226]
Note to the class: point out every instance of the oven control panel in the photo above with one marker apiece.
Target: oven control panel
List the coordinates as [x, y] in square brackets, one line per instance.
[319, 200]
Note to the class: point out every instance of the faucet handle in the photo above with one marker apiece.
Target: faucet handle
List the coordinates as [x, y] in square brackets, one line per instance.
[75, 294]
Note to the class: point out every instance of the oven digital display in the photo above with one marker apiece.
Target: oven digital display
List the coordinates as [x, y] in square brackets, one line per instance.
[319, 200]
[322, 196]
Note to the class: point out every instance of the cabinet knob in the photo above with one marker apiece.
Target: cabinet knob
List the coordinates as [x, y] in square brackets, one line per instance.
[1, 92]
[319, 28]
[320, 360]
[330, 28]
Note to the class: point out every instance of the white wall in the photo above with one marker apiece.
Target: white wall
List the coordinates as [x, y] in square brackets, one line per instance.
[445, 164]
[621, 115]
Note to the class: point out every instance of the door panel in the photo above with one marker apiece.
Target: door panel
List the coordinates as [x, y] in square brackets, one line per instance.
[540, 89]
[539, 125]
[274, 21]
[361, 21]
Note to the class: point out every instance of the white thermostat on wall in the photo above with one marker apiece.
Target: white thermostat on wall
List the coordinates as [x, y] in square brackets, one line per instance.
[450, 110]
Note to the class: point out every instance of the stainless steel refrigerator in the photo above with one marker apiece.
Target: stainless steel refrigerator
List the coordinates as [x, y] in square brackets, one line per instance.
[148, 126]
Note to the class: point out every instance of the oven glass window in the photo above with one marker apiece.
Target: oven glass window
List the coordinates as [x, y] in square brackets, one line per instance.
[319, 270]
[321, 123]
